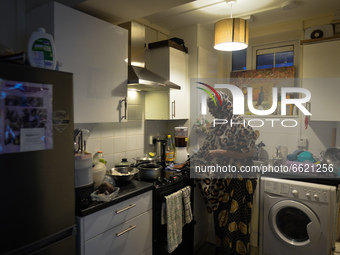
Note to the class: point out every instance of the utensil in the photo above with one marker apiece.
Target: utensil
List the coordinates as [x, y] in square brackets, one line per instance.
[159, 148]
[148, 171]
[85, 133]
[122, 174]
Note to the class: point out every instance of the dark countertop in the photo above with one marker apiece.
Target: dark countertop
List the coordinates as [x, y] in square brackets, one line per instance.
[134, 188]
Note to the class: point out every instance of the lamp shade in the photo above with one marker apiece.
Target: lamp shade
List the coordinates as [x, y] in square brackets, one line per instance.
[231, 34]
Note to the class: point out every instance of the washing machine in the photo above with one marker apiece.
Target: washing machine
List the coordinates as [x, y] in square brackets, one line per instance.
[296, 217]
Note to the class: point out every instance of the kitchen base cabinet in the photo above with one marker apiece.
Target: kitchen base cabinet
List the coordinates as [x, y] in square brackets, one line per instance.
[123, 228]
[95, 51]
[132, 237]
[321, 76]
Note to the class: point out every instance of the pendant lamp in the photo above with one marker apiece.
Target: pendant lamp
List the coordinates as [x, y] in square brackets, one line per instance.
[231, 34]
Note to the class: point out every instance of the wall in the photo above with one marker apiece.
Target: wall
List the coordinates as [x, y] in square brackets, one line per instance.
[318, 134]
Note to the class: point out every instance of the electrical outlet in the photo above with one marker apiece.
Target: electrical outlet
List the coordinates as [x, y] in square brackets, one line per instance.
[302, 142]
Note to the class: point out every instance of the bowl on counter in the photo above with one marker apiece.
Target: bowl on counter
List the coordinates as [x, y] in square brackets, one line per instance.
[122, 174]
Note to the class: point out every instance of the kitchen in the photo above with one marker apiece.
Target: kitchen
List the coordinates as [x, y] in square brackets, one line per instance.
[131, 138]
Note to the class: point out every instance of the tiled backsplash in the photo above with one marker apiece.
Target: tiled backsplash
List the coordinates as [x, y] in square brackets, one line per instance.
[116, 140]
[131, 139]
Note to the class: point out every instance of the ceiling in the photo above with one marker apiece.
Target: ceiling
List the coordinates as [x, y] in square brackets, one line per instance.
[179, 13]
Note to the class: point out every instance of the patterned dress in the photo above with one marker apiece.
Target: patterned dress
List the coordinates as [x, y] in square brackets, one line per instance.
[228, 196]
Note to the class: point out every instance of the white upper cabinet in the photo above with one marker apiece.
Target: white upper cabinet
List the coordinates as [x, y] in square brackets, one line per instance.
[171, 64]
[96, 52]
[321, 76]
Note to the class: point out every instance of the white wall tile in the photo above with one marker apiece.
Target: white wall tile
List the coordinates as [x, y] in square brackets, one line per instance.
[107, 145]
[140, 142]
[131, 155]
[131, 128]
[110, 160]
[140, 152]
[131, 143]
[118, 157]
[119, 144]
[139, 127]
[107, 130]
[120, 129]
[93, 145]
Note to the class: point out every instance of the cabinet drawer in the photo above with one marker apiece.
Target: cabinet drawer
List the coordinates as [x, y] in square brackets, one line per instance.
[131, 237]
[110, 217]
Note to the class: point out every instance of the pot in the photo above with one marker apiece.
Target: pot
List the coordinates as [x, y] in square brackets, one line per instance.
[124, 163]
[149, 171]
[145, 159]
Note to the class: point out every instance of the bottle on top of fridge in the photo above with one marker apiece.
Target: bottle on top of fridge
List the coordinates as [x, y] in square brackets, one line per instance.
[169, 152]
[41, 50]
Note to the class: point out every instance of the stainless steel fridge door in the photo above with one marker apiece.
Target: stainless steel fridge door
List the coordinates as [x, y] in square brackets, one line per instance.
[37, 187]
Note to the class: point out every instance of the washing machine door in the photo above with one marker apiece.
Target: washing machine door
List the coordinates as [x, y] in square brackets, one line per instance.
[295, 223]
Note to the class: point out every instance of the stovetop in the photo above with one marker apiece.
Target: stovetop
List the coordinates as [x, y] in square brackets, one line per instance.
[177, 176]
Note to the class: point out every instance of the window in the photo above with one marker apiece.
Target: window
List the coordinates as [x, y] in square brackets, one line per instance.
[239, 60]
[275, 57]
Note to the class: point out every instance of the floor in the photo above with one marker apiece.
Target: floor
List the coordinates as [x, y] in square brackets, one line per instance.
[209, 249]
[205, 249]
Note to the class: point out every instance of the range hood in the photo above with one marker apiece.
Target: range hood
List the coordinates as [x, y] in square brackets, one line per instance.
[139, 77]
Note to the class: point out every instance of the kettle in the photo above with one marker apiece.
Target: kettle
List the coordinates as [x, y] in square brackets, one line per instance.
[159, 148]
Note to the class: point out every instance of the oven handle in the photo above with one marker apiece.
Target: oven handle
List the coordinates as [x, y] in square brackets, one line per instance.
[125, 231]
[126, 208]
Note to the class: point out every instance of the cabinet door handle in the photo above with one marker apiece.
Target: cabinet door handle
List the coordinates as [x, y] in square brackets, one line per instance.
[125, 110]
[125, 231]
[126, 208]
[173, 104]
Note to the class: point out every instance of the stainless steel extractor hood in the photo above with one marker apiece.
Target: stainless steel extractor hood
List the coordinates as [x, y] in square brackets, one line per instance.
[139, 77]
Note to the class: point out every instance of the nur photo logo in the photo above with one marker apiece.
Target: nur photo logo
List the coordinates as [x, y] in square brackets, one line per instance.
[239, 99]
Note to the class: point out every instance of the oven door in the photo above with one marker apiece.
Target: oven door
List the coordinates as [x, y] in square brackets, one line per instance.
[160, 230]
[294, 223]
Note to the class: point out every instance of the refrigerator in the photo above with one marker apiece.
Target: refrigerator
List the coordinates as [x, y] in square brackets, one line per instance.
[36, 161]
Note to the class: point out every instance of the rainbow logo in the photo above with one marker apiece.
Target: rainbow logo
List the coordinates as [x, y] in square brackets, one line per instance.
[209, 93]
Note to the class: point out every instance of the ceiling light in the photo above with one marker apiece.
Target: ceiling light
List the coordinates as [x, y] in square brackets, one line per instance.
[231, 34]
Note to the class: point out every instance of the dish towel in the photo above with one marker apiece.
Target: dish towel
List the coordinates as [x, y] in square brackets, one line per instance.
[187, 212]
[174, 219]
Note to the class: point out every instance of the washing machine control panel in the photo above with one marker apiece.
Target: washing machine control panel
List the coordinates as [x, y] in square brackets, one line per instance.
[302, 192]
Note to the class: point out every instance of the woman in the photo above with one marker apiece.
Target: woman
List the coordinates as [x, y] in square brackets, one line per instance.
[228, 196]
